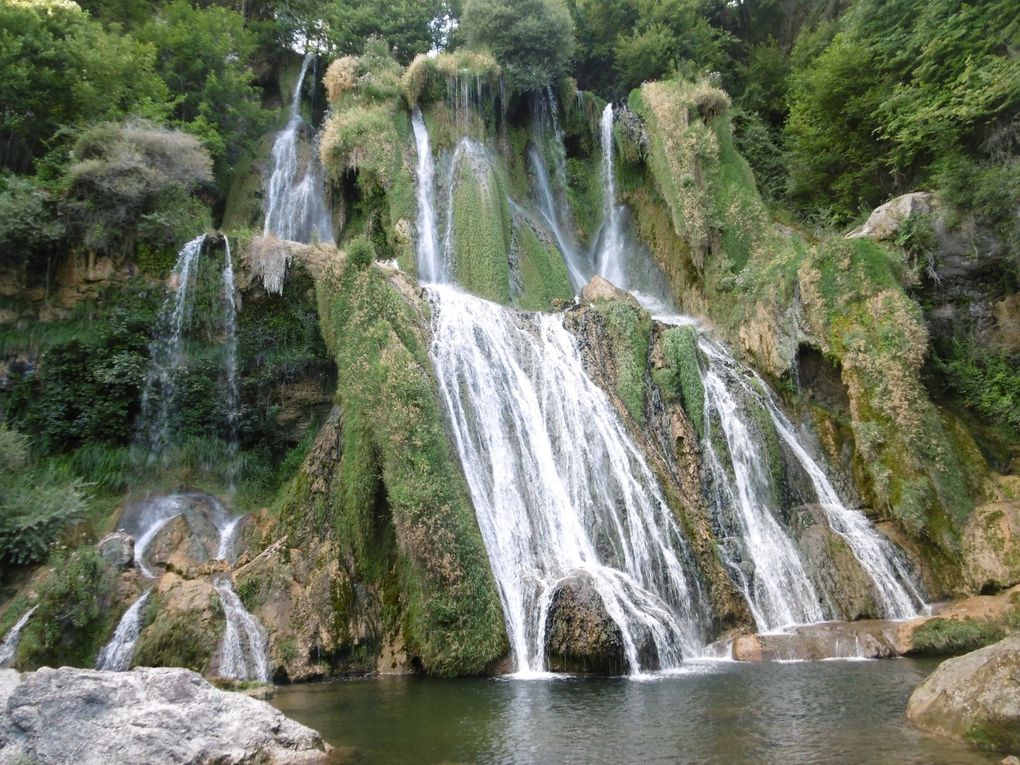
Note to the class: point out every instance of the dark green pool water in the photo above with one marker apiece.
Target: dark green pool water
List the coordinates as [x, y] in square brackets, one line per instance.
[822, 712]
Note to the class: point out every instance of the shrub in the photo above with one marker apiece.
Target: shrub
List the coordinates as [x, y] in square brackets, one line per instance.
[34, 504]
[533, 39]
[949, 637]
[361, 251]
[341, 77]
[74, 614]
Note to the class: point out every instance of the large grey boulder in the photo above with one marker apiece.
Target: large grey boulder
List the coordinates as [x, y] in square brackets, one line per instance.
[974, 698]
[143, 716]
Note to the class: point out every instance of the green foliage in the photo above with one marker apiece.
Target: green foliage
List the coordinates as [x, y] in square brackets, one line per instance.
[481, 229]
[532, 39]
[410, 27]
[29, 226]
[74, 616]
[61, 69]
[401, 508]
[986, 380]
[361, 251]
[544, 276]
[176, 639]
[35, 502]
[901, 86]
[952, 637]
[133, 182]
[203, 54]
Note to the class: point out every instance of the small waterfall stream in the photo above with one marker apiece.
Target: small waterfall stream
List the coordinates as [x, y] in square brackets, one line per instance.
[431, 267]
[9, 646]
[166, 354]
[232, 389]
[117, 654]
[295, 208]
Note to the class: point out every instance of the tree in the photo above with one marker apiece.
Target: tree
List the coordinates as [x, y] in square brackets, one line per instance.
[61, 69]
[532, 39]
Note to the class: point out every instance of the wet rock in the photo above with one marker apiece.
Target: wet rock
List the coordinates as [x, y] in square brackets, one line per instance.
[991, 547]
[117, 549]
[873, 639]
[580, 635]
[974, 698]
[146, 715]
[188, 541]
[600, 290]
[833, 567]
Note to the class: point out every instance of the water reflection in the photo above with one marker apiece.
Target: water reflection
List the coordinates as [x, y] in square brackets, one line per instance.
[778, 714]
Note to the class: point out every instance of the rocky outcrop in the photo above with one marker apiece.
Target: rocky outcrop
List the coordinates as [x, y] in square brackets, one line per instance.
[991, 547]
[581, 636]
[117, 549]
[974, 698]
[146, 715]
[189, 540]
[874, 639]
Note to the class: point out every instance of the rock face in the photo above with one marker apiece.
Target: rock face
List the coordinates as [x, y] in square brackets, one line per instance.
[146, 715]
[991, 547]
[974, 698]
[117, 549]
[580, 636]
[874, 639]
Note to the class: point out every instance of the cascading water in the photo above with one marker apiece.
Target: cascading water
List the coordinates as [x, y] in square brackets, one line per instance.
[610, 266]
[295, 208]
[730, 391]
[232, 390]
[9, 646]
[117, 654]
[166, 353]
[243, 653]
[759, 550]
[558, 486]
[431, 267]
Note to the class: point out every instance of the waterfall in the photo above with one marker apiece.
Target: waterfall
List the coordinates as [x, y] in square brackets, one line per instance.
[779, 591]
[295, 208]
[244, 654]
[777, 588]
[611, 243]
[244, 650]
[232, 390]
[553, 210]
[166, 353]
[430, 267]
[558, 486]
[117, 654]
[9, 646]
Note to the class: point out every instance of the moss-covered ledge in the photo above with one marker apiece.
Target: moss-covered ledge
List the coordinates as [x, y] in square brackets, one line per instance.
[398, 506]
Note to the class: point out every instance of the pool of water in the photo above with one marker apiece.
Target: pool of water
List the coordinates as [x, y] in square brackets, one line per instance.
[819, 712]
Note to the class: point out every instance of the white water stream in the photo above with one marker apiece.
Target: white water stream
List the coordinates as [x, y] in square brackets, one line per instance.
[9, 646]
[295, 207]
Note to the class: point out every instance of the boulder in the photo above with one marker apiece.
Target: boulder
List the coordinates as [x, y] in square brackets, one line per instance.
[885, 220]
[873, 639]
[600, 290]
[117, 549]
[580, 635]
[146, 715]
[974, 698]
[188, 541]
[991, 547]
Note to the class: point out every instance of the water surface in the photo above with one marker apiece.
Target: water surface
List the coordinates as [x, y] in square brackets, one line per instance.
[821, 712]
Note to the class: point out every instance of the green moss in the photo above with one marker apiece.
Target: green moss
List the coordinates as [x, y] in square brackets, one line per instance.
[544, 275]
[629, 331]
[481, 230]
[176, 639]
[400, 506]
[75, 615]
[584, 193]
[680, 377]
[950, 637]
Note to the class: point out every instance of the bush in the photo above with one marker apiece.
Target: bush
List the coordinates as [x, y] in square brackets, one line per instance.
[949, 637]
[361, 251]
[74, 614]
[34, 504]
[121, 173]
